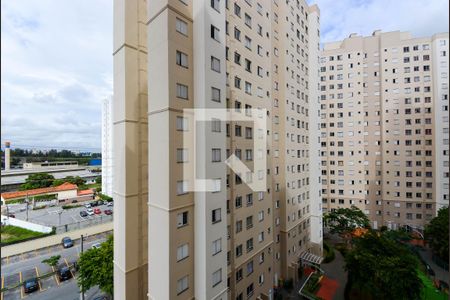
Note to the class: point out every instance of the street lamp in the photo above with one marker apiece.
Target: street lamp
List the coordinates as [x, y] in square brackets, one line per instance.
[81, 283]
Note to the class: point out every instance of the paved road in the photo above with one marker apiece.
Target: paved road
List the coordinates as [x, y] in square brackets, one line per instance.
[49, 216]
[18, 268]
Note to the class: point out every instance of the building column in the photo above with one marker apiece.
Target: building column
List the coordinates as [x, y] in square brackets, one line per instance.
[130, 150]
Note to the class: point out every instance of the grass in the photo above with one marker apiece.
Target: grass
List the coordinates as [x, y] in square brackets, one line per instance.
[429, 292]
[12, 234]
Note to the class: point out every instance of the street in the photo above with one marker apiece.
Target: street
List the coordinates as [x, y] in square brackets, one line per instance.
[19, 268]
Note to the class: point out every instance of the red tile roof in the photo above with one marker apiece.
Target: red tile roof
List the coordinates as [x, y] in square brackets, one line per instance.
[85, 192]
[66, 186]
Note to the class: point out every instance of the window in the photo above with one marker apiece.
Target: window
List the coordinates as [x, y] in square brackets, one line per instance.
[182, 59]
[182, 155]
[237, 34]
[215, 4]
[215, 64]
[182, 252]
[181, 187]
[182, 284]
[215, 125]
[216, 155]
[217, 277]
[182, 91]
[248, 20]
[215, 33]
[215, 94]
[181, 27]
[237, 10]
[248, 88]
[216, 215]
[249, 267]
[182, 219]
[216, 246]
[182, 124]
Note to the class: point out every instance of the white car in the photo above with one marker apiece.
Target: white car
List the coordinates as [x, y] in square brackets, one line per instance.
[87, 205]
[96, 246]
[110, 203]
[90, 212]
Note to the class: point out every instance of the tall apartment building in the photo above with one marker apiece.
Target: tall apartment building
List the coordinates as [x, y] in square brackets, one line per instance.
[107, 146]
[231, 242]
[385, 127]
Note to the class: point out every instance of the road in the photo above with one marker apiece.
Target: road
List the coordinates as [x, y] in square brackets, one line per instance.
[22, 267]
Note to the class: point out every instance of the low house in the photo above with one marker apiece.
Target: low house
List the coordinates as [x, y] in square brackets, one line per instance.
[65, 192]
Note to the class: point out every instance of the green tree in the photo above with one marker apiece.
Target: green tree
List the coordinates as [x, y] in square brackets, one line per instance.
[98, 179]
[52, 261]
[344, 220]
[380, 268]
[437, 234]
[70, 179]
[38, 180]
[96, 267]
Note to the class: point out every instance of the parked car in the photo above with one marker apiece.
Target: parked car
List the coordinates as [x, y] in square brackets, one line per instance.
[93, 203]
[67, 242]
[110, 203]
[12, 215]
[108, 212]
[87, 205]
[97, 211]
[100, 202]
[90, 211]
[31, 285]
[64, 273]
[96, 245]
[83, 214]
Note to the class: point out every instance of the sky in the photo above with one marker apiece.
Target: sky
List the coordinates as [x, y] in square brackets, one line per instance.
[56, 60]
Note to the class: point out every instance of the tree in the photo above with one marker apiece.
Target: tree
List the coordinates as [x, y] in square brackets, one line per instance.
[437, 234]
[38, 180]
[380, 268]
[52, 261]
[70, 179]
[344, 220]
[98, 179]
[96, 268]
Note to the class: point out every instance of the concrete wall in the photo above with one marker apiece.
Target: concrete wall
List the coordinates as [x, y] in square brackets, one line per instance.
[26, 225]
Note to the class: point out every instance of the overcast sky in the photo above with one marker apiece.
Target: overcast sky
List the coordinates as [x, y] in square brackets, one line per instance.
[56, 61]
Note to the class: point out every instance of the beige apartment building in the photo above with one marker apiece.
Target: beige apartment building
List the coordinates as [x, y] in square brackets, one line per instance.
[385, 126]
[173, 241]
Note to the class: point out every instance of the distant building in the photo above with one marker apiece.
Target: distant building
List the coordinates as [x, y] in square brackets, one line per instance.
[107, 147]
[51, 164]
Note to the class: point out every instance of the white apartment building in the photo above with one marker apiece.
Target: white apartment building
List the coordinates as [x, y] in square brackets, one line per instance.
[107, 146]
[384, 137]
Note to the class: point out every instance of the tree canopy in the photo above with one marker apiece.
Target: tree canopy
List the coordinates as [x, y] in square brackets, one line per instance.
[345, 220]
[52, 261]
[38, 180]
[380, 268]
[71, 179]
[96, 268]
[437, 234]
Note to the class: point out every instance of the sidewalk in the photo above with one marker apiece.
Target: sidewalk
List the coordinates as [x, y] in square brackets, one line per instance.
[53, 240]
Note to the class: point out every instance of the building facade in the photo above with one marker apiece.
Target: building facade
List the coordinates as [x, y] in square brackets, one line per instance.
[172, 242]
[384, 130]
[107, 146]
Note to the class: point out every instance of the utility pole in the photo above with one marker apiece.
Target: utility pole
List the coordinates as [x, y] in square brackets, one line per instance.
[26, 203]
[81, 285]
[59, 216]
